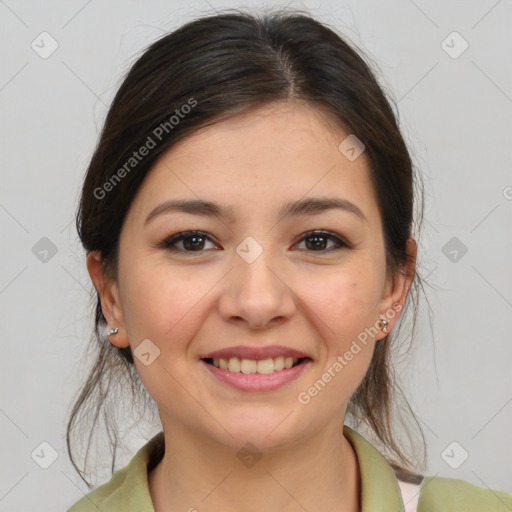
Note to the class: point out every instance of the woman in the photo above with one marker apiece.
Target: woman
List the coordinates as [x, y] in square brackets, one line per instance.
[247, 217]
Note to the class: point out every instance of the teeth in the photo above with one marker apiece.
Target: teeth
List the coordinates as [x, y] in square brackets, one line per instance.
[263, 366]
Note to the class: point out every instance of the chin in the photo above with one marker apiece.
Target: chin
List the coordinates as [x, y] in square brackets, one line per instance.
[266, 431]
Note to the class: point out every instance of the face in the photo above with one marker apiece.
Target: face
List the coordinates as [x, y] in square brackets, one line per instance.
[253, 278]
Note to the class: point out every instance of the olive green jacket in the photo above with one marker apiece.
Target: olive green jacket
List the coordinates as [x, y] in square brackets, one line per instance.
[128, 491]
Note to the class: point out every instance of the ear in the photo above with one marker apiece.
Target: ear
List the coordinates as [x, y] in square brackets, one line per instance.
[393, 300]
[109, 297]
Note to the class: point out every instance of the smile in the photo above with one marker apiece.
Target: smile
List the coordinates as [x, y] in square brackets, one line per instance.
[248, 366]
[256, 375]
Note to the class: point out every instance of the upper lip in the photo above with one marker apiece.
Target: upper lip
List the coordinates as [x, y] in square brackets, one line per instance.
[247, 352]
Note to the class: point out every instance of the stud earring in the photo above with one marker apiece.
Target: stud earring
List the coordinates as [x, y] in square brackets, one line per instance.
[113, 331]
[384, 324]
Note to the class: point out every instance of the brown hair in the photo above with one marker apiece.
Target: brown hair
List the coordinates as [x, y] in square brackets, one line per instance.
[226, 64]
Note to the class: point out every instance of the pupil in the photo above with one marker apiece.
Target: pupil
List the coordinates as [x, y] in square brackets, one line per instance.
[192, 246]
[316, 244]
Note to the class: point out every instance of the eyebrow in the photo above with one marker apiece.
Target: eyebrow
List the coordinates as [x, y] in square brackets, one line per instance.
[306, 206]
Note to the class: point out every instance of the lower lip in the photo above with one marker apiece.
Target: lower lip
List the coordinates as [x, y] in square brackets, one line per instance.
[256, 381]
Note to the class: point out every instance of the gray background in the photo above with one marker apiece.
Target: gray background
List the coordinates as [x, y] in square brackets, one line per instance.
[455, 114]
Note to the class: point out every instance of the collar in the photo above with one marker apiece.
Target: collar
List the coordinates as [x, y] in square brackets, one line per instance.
[379, 488]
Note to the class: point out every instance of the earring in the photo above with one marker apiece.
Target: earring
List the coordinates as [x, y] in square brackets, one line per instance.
[384, 324]
[113, 331]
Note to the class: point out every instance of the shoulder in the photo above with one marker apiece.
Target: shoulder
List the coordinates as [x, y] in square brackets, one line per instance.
[453, 495]
[105, 497]
[128, 488]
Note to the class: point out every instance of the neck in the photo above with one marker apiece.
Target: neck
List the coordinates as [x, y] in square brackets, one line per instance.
[199, 473]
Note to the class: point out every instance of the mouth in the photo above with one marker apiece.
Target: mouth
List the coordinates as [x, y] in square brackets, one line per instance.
[256, 366]
[255, 375]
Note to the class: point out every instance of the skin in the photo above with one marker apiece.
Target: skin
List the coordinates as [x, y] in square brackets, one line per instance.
[315, 300]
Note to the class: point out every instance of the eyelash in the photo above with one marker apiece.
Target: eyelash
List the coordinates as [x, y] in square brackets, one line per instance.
[170, 241]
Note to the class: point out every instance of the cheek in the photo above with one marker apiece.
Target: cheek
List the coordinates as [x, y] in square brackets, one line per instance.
[344, 307]
[165, 307]
[345, 302]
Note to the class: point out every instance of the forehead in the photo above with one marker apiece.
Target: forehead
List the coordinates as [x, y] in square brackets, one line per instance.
[270, 155]
[281, 127]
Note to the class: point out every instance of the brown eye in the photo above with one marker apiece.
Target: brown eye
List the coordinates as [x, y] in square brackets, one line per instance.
[317, 241]
[192, 241]
[195, 241]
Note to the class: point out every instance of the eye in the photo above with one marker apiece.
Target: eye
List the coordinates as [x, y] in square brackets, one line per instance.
[192, 241]
[319, 240]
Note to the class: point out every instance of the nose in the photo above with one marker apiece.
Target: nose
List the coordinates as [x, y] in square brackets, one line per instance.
[256, 294]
